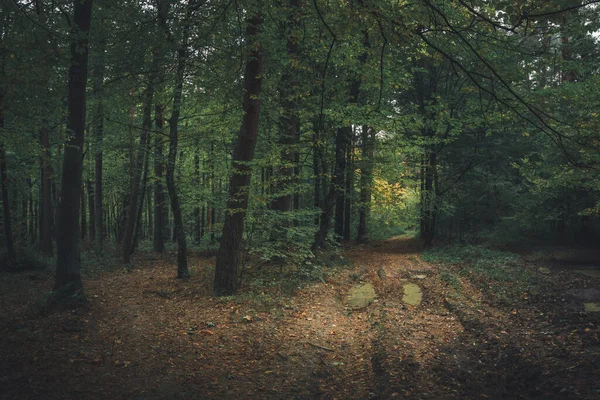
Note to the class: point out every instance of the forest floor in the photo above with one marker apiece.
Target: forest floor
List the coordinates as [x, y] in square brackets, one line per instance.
[145, 335]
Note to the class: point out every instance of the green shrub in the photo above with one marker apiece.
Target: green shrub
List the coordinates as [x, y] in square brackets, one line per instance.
[28, 259]
[496, 271]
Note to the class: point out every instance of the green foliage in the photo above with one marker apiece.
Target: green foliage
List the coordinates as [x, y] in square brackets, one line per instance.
[282, 238]
[28, 259]
[450, 279]
[471, 254]
[500, 273]
[380, 230]
[509, 116]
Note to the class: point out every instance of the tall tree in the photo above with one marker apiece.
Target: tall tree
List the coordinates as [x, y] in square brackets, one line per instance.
[349, 188]
[230, 249]
[92, 210]
[46, 214]
[68, 263]
[98, 127]
[196, 183]
[10, 244]
[160, 202]
[182, 55]
[159, 222]
[366, 181]
[289, 125]
[46, 217]
[141, 161]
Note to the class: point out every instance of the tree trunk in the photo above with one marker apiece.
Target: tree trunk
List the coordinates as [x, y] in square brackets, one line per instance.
[83, 213]
[348, 189]
[317, 172]
[24, 224]
[98, 126]
[46, 214]
[92, 210]
[429, 201]
[211, 214]
[366, 182]
[331, 198]
[136, 198]
[138, 230]
[335, 195]
[202, 220]
[196, 183]
[341, 145]
[182, 267]
[10, 245]
[229, 257]
[32, 220]
[149, 215]
[426, 89]
[158, 236]
[68, 264]
[289, 127]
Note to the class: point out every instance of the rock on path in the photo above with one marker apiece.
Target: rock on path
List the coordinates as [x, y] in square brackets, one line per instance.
[360, 296]
[412, 294]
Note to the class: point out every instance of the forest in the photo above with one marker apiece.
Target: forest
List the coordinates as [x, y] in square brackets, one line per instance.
[351, 199]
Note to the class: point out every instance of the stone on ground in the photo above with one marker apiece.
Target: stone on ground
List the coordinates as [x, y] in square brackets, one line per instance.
[361, 296]
[412, 294]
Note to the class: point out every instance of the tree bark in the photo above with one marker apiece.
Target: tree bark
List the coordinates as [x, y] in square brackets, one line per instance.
[10, 244]
[348, 189]
[316, 156]
[83, 226]
[98, 126]
[426, 89]
[229, 257]
[138, 230]
[182, 267]
[341, 145]
[429, 201]
[289, 126]
[335, 195]
[331, 198]
[92, 210]
[68, 264]
[158, 239]
[160, 204]
[32, 220]
[46, 214]
[366, 182]
[196, 183]
[140, 162]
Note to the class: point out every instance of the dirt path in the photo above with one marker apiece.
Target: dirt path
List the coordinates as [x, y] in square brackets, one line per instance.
[146, 336]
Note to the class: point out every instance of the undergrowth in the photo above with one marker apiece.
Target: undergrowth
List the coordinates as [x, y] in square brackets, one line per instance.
[27, 259]
[290, 277]
[384, 231]
[497, 272]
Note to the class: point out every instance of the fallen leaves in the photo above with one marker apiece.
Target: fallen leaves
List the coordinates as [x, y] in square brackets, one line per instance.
[174, 336]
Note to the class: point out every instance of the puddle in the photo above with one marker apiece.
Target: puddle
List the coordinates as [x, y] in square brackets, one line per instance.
[412, 294]
[591, 307]
[361, 296]
[593, 273]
